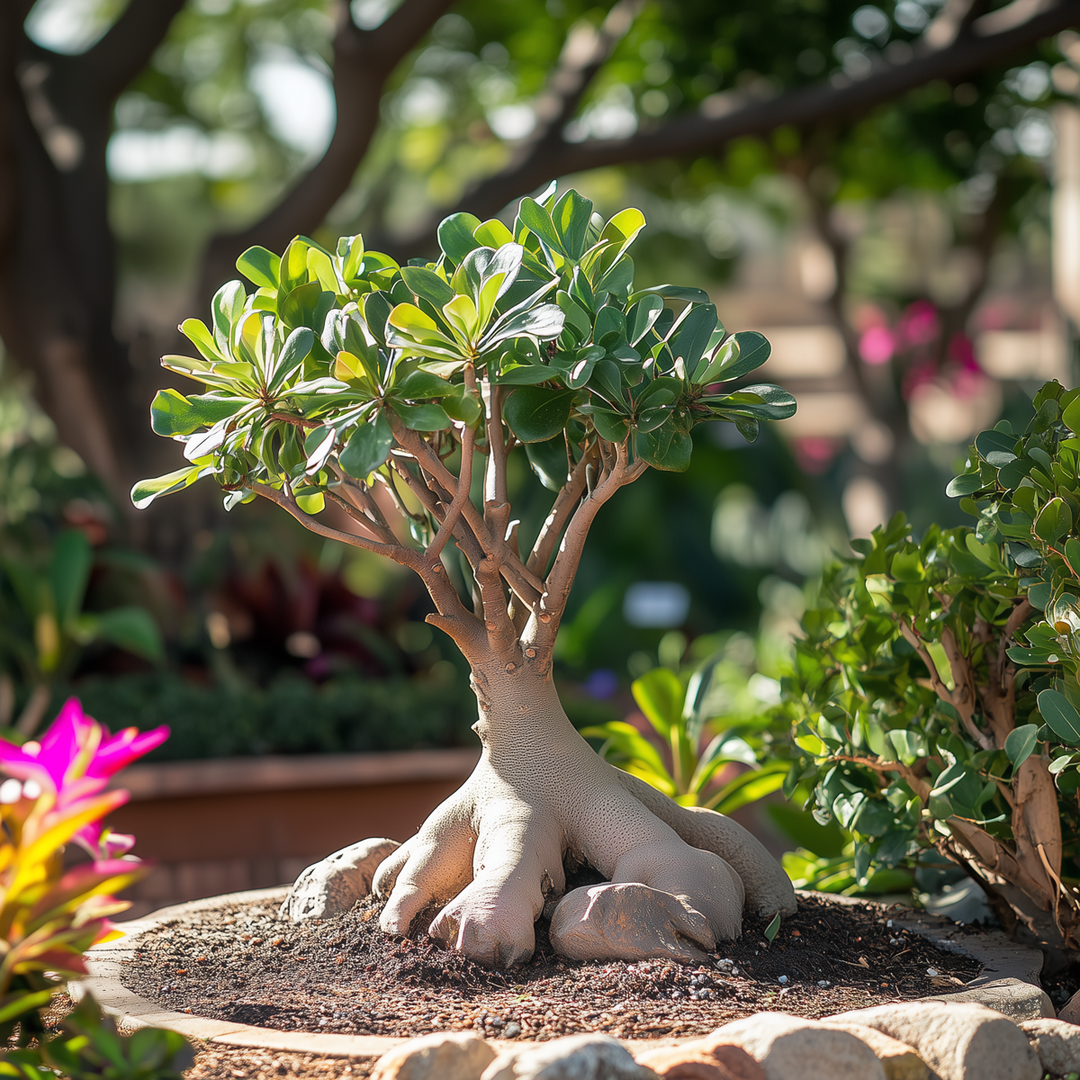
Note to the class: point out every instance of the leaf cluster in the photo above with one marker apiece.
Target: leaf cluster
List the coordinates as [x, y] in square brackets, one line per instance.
[689, 768]
[313, 377]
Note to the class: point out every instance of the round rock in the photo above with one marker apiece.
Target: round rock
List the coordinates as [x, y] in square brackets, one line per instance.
[578, 1057]
[333, 885]
[1056, 1042]
[450, 1055]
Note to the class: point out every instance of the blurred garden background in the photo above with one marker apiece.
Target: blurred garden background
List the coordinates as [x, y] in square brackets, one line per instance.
[890, 193]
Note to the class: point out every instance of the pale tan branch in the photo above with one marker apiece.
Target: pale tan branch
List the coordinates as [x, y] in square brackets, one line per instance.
[453, 514]
[565, 502]
[564, 569]
[399, 554]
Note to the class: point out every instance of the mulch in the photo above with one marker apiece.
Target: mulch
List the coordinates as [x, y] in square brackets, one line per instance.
[245, 964]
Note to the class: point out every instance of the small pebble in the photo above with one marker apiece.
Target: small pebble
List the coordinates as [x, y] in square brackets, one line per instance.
[512, 1030]
[932, 972]
[823, 982]
[781, 979]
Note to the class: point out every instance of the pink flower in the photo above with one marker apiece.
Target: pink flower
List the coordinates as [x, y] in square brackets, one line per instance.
[74, 761]
[76, 756]
[877, 345]
[919, 324]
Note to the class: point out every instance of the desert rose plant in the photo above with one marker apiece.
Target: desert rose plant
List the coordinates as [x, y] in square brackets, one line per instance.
[54, 795]
[936, 698]
[398, 395]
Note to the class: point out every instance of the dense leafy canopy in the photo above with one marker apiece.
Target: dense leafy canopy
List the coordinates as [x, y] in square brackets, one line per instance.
[318, 370]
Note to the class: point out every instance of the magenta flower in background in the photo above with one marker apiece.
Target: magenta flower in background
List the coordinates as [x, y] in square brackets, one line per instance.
[76, 756]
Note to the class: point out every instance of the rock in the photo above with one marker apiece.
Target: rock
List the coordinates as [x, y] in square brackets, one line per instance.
[692, 1062]
[1070, 1011]
[333, 885]
[899, 1060]
[630, 922]
[1057, 1043]
[790, 1048]
[578, 1057]
[959, 1042]
[450, 1055]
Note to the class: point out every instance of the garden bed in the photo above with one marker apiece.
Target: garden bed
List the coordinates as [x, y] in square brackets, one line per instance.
[240, 963]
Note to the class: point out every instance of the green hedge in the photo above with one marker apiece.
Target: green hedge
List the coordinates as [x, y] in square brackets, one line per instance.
[291, 716]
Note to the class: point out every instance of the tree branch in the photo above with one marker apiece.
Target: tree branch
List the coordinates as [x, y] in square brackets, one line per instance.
[564, 569]
[989, 40]
[113, 61]
[397, 552]
[962, 699]
[565, 502]
[363, 61]
[461, 496]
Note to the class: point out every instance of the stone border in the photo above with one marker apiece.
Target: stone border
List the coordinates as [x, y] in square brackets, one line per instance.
[1006, 984]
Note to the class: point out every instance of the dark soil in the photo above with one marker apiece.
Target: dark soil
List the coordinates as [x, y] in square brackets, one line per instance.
[244, 964]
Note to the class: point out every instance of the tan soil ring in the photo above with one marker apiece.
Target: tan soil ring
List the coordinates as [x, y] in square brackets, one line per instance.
[1009, 983]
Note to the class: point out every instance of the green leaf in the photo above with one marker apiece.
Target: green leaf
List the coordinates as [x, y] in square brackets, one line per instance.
[133, 629]
[965, 484]
[1060, 715]
[428, 285]
[692, 336]
[1011, 475]
[427, 417]
[991, 442]
[674, 292]
[456, 238]
[195, 330]
[666, 448]
[570, 217]
[659, 694]
[173, 414]
[422, 385]
[260, 266]
[641, 318]
[610, 425]
[368, 447]
[146, 491]
[773, 928]
[69, 572]
[1040, 595]
[1020, 743]
[1071, 415]
[548, 460]
[535, 414]
[1054, 521]
[538, 221]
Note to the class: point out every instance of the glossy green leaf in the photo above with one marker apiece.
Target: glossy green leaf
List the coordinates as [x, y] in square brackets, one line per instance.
[666, 448]
[146, 491]
[457, 239]
[260, 266]
[368, 447]
[1054, 521]
[427, 284]
[1060, 716]
[535, 414]
[1020, 743]
[427, 417]
[173, 414]
[965, 484]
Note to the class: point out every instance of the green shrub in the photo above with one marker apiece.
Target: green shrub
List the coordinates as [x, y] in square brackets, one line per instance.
[935, 698]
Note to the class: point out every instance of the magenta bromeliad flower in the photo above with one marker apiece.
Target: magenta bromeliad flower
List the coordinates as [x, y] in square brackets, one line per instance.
[76, 756]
